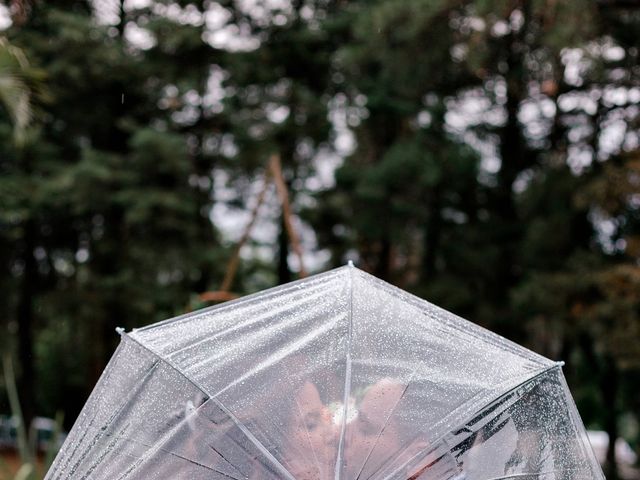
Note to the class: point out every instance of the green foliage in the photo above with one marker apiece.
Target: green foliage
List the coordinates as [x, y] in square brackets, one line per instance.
[21, 89]
[14, 92]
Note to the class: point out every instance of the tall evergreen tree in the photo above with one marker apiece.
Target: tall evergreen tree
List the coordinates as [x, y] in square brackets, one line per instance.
[111, 225]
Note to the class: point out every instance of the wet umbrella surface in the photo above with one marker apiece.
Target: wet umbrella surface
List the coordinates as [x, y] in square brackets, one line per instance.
[339, 376]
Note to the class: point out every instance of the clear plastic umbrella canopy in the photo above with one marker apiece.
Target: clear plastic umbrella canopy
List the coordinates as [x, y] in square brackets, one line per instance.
[338, 376]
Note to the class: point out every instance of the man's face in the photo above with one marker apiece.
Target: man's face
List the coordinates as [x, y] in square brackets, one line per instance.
[373, 437]
[311, 454]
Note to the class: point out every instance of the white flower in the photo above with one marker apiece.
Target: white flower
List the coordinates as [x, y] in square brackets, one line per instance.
[337, 411]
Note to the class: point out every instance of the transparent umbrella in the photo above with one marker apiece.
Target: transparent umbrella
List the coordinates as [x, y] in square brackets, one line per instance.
[338, 376]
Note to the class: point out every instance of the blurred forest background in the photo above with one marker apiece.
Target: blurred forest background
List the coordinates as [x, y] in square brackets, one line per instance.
[483, 154]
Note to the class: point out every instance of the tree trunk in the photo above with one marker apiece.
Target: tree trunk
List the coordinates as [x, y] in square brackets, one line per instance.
[107, 264]
[25, 319]
[383, 262]
[511, 152]
[432, 237]
[609, 386]
[284, 272]
[123, 18]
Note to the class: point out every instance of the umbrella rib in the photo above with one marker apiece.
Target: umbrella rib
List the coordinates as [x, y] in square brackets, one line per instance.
[182, 457]
[275, 426]
[103, 380]
[537, 474]
[250, 436]
[110, 446]
[201, 465]
[226, 460]
[586, 451]
[114, 416]
[306, 429]
[347, 379]
[386, 422]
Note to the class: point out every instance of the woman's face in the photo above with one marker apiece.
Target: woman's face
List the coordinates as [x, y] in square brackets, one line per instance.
[312, 437]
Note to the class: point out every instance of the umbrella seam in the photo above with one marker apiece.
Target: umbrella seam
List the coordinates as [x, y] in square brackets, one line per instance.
[386, 422]
[112, 418]
[246, 298]
[237, 327]
[99, 387]
[256, 443]
[587, 448]
[439, 314]
[347, 381]
[537, 474]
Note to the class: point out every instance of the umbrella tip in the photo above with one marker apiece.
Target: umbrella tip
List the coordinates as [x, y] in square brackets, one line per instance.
[560, 363]
[350, 263]
[120, 330]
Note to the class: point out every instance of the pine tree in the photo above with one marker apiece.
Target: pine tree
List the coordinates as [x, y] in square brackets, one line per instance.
[109, 201]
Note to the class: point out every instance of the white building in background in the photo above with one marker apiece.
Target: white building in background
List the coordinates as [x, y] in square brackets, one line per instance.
[625, 456]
